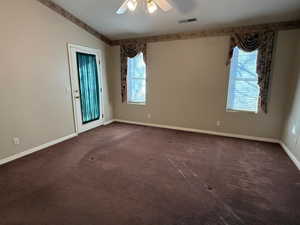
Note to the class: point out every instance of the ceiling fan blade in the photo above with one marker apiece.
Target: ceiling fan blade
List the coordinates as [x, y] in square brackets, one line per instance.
[163, 4]
[123, 8]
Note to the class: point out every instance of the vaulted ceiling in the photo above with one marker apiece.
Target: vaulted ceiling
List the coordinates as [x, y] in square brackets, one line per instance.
[100, 15]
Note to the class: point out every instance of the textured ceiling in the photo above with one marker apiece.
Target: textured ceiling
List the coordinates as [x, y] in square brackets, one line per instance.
[100, 14]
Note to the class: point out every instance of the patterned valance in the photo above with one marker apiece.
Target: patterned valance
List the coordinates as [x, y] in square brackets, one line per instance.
[130, 50]
[264, 43]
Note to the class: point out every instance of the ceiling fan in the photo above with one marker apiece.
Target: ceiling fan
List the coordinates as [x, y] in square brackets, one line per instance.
[150, 5]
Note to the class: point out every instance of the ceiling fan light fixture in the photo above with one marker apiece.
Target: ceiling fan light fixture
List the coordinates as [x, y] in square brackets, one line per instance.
[132, 4]
[152, 7]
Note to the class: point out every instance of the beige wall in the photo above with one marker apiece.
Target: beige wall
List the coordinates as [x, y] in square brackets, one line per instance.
[291, 133]
[187, 87]
[34, 89]
[187, 84]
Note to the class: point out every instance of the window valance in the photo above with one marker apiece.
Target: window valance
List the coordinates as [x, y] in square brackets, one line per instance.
[130, 50]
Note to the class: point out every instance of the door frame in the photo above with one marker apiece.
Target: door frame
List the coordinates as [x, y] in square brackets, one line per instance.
[72, 49]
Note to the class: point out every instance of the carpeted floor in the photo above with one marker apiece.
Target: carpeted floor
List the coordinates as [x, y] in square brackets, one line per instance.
[134, 175]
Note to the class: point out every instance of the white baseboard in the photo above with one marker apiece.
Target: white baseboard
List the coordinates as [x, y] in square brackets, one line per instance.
[41, 147]
[290, 154]
[36, 149]
[108, 122]
[271, 140]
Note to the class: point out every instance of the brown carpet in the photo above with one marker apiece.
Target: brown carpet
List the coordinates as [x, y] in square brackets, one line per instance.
[134, 175]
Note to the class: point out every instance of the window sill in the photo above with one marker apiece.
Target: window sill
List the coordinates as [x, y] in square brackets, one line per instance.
[137, 103]
[241, 111]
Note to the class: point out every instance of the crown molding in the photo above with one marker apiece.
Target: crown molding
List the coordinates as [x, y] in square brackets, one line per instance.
[58, 9]
[289, 25]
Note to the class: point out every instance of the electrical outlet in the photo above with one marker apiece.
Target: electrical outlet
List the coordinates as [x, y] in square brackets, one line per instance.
[149, 116]
[218, 123]
[16, 140]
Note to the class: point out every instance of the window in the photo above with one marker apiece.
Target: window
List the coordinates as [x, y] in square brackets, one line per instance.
[243, 90]
[136, 80]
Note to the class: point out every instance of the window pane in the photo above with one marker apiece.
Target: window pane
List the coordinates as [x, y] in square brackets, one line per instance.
[89, 87]
[138, 90]
[245, 96]
[137, 67]
[136, 79]
[243, 90]
[246, 65]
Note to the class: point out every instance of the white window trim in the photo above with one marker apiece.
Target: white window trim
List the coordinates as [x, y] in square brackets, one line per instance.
[146, 91]
[137, 103]
[240, 111]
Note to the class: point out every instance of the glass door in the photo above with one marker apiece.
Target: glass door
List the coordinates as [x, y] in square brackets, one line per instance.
[86, 87]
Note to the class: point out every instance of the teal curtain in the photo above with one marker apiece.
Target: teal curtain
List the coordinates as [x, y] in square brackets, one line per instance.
[89, 87]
